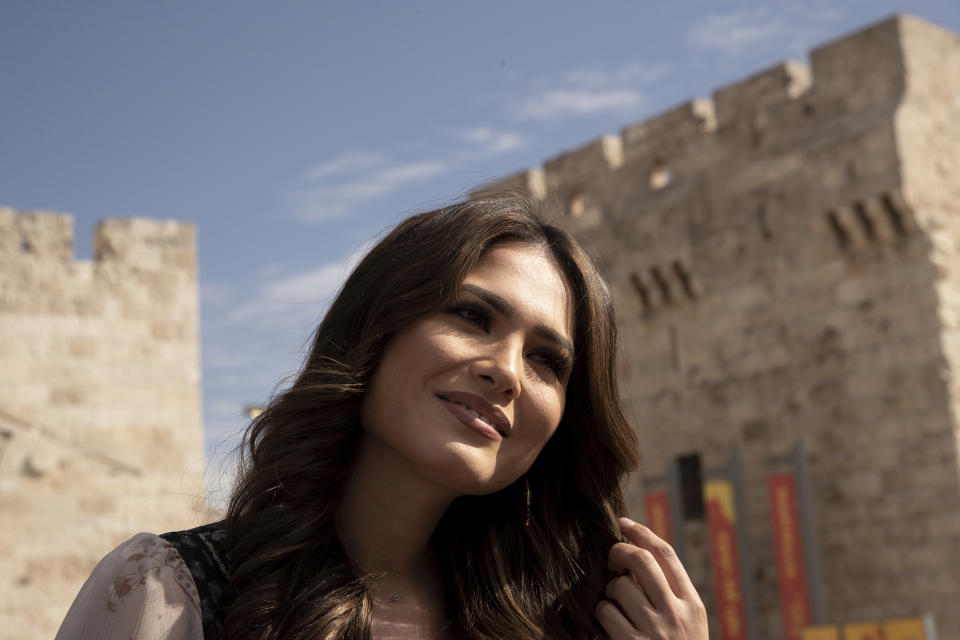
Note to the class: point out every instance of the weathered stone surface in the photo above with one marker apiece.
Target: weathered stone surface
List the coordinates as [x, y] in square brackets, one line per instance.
[785, 259]
[100, 430]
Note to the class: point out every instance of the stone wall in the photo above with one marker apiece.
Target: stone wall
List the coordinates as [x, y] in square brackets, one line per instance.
[785, 258]
[100, 424]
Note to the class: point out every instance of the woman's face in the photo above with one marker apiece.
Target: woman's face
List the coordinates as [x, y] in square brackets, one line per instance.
[468, 397]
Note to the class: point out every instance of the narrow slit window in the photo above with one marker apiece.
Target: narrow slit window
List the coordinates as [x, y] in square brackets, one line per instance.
[895, 215]
[641, 291]
[691, 486]
[868, 229]
[843, 238]
[684, 279]
[662, 284]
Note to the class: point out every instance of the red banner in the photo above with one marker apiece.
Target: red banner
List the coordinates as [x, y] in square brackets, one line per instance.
[722, 523]
[787, 540]
[657, 505]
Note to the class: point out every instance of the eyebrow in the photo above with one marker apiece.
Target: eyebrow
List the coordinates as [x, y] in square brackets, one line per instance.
[505, 309]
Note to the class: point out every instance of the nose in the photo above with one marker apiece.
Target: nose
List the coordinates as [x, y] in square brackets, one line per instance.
[500, 368]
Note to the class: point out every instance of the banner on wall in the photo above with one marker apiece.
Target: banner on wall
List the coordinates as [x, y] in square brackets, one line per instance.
[820, 633]
[788, 543]
[657, 505]
[910, 629]
[725, 557]
[862, 631]
[922, 628]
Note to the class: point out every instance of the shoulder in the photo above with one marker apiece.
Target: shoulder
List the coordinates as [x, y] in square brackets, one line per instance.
[141, 589]
[202, 548]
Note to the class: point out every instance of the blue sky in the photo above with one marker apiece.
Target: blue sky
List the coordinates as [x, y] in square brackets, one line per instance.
[292, 133]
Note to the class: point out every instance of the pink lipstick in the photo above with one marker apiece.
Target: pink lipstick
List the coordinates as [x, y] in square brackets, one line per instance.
[476, 413]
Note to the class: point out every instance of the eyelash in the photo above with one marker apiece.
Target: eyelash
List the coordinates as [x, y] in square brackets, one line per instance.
[474, 313]
[478, 315]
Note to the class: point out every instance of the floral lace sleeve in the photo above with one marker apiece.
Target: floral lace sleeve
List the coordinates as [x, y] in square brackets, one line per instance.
[141, 590]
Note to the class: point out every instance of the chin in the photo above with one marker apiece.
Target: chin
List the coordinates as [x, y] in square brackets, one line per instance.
[467, 470]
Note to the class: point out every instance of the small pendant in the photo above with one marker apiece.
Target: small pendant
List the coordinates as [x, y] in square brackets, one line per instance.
[395, 597]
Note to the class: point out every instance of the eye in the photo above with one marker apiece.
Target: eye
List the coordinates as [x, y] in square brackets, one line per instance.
[474, 313]
[556, 361]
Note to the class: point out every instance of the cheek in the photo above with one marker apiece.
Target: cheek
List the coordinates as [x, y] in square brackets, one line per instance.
[546, 411]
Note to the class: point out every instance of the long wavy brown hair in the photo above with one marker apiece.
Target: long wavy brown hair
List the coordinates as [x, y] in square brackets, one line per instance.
[513, 568]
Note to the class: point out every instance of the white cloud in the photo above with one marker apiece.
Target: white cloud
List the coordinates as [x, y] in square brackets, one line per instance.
[492, 142]
[320, 198]
[398, 175]
[315, 284]
[298, 298]
[588, 90]
[634, 73]
[577, 102]
[349, 161]
[731, 32]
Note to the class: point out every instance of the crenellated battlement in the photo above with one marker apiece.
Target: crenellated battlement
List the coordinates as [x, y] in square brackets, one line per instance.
[671, 131]
[761, 92]
[157, 244]
[860, 77]
[39, 233]
[604, 154]
[148, 244]
[100, 417]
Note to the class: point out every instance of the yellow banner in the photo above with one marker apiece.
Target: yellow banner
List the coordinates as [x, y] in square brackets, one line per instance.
[721, 493]
[820, 633]
[901, 629]
[862, 631]
[906, 629]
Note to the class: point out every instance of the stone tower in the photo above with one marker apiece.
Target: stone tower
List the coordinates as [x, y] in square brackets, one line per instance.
[785, 258]
[100, 426]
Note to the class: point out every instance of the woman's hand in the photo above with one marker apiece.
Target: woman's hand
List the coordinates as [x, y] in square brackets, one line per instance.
[653, 599]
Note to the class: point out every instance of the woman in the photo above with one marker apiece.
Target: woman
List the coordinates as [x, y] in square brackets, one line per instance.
[446, 465]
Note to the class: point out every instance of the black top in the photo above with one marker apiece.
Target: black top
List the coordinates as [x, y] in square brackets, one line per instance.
[203, 552]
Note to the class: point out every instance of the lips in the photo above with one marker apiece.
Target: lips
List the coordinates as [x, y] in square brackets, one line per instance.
[477, 408]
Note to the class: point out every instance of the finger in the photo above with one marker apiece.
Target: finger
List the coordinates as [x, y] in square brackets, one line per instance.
[665, 555]
[646, 570]
[615, 624]
[632, 601]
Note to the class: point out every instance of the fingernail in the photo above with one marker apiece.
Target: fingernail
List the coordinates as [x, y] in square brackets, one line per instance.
[625, 523]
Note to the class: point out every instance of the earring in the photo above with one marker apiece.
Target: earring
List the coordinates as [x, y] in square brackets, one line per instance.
[526, 485]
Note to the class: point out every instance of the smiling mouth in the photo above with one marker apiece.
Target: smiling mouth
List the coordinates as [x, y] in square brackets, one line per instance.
[476, 414]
